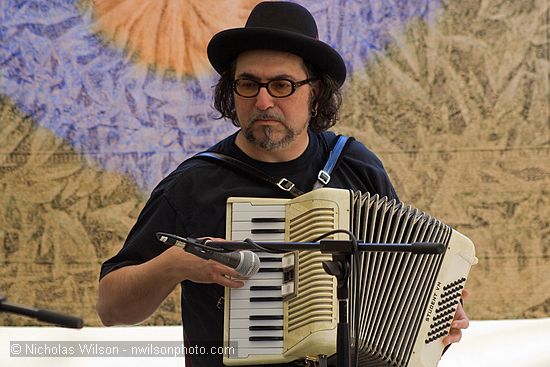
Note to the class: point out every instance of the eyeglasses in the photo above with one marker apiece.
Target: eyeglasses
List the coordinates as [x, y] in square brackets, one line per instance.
[278, 88]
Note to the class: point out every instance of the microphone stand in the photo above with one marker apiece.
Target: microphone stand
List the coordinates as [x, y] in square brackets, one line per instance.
[42, 315]
[339, 267]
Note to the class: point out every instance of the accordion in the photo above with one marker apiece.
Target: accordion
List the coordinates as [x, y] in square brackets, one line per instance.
[400, 305]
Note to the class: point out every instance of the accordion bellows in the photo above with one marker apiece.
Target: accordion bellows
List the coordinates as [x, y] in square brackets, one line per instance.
[400, 304]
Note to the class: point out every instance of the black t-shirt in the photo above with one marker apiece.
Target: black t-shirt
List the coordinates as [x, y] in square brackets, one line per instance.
[191, 202]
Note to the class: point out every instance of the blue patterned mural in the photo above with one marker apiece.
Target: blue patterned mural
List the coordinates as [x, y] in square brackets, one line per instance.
[134, 119]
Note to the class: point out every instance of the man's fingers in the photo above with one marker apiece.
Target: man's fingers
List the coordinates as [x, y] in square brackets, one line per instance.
[461, 320]
[454, 336]
[228, 282]
[225, 270]
[460, 324]
[227, 276]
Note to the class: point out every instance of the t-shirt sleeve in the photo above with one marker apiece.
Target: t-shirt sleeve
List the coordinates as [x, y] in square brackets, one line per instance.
[142, 245]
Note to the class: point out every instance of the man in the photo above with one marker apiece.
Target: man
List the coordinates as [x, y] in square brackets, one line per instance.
[280, 85]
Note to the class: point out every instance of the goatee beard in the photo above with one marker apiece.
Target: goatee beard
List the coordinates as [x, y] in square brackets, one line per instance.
[264, 134]
[267, 143]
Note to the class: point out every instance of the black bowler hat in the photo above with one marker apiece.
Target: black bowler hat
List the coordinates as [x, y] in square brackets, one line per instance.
[281, 26]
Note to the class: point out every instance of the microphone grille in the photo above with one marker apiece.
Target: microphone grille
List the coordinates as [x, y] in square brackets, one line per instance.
[249, 265]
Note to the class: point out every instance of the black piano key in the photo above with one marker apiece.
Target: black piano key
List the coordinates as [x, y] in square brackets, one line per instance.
[270, 259]
[261, 328]
[265, 288]
[266, 299]
[265, 317]
[267, 230]
[265, 338]
[267, 220]
[270, 270]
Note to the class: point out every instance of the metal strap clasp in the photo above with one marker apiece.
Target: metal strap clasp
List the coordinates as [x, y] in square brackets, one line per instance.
[285, 184]
[323, 176]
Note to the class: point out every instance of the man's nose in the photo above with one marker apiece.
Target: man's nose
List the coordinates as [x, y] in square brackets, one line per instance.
[264, 100]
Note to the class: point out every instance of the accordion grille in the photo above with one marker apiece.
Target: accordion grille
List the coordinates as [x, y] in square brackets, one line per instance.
[392, 289]
[314, 304]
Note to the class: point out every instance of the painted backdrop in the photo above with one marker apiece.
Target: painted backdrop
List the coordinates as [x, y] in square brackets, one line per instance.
[101, 99]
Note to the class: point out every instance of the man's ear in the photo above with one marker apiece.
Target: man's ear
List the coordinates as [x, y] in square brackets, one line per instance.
[314, 95]
[315, 85]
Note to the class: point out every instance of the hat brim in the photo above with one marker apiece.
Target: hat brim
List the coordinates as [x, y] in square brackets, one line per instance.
[225, 46]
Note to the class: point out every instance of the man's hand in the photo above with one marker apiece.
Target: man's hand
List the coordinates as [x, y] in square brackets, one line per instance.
[460, 322]
[209, 271]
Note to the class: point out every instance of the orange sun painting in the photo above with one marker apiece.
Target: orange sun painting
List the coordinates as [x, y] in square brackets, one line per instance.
[169, 35]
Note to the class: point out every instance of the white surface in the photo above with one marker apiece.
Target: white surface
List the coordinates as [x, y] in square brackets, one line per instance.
[503, 343]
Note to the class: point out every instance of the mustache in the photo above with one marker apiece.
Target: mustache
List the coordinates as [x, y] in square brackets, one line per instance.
[263, 115]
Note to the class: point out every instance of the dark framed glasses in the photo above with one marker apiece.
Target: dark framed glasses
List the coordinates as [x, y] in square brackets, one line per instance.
[278, 88]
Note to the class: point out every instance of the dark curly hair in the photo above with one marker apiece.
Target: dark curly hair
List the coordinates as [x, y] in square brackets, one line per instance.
[328, 99]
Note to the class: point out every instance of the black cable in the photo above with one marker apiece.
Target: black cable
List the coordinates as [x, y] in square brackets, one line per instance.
[202, 244]
[334, 231]
[215, 249]
[262, 248]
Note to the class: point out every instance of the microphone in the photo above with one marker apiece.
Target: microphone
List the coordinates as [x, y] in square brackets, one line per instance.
[246, 263]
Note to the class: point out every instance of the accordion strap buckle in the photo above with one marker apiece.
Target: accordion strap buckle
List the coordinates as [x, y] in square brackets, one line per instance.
[323, 176]
[285, 184]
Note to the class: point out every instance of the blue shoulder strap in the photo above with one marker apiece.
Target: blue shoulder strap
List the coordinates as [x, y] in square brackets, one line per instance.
[323, 177]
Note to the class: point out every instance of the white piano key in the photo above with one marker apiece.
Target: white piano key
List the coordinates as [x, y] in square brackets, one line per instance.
[273, 264]
[274, 276]
[247, 305]
[244, 207]
[245, 314]
[248, 216]
[249, 226]
[245, 333]
[257, 282]
[269, 255]
[247, 293]
[246, 323]
[258, 237]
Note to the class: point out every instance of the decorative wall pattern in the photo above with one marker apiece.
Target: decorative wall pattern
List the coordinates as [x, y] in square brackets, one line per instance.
[80, 71]
[459, 111]
[167, 35]
[453, 96]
